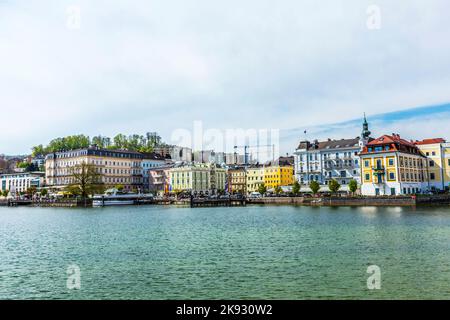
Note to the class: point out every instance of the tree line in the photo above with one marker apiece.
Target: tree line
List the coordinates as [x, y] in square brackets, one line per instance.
[133, 142]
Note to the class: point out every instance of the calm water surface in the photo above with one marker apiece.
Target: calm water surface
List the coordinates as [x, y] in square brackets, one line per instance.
[278, 252]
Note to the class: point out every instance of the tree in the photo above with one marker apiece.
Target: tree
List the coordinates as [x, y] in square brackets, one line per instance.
[86, 181]
[120, 187]
[278, 190]
[314, 186]
[296, 188]
[5, 193]
[334, 186]
[353, 186]
[262, 189]
[44, 192]
[31, 191]
[38, 151]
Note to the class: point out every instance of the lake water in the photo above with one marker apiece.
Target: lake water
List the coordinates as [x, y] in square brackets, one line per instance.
[254, 252]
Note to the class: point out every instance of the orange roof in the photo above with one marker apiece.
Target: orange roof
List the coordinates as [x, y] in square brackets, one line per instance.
[430, 141]
[394, 138]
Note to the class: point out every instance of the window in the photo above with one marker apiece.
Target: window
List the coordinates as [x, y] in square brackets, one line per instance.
[431, 163]
[367, 178]
[432, 176]
[392, 191]
[391, 176]
[433, 153]
[366, 163]
[391, 162]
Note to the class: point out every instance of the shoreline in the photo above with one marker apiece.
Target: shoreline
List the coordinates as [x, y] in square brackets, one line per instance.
[270, 201]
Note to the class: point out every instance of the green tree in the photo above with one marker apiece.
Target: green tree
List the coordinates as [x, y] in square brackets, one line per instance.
[120, 187]
[262, 189]
[86, 181]
[44, 192]
[314, 186]
[278, 190]
[353, 186]
[38, 151]
[5, 193]
[334, 186]
[296, 188]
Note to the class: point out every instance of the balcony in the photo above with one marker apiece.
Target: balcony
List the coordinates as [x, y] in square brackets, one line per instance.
[378, 170]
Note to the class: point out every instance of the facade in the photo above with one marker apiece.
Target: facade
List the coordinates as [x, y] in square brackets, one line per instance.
[175, 153]
[237, 182]
[393, 166]
[434, 151]
[115, 166]
[446, 166]
[331, 159]
[159, 179]
[150, 161]
[209, 178]
[278, 175]
[254, 178]
[21, 182]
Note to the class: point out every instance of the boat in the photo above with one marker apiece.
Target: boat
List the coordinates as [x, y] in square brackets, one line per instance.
[114, 197]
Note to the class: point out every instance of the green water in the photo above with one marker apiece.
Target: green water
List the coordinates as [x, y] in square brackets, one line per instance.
[277, 252]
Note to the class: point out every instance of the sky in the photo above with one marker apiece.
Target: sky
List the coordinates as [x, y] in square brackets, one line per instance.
[108, 67]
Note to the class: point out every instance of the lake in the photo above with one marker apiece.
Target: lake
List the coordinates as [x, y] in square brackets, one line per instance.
[253, 252]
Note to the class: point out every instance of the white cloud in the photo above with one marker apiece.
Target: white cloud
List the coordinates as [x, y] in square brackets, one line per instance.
[136, 66]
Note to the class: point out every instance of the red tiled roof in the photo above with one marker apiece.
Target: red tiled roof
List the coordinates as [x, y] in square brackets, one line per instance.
[395, 138]
[430, 141]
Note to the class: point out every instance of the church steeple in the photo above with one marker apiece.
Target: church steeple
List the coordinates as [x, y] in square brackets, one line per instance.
[365, 132]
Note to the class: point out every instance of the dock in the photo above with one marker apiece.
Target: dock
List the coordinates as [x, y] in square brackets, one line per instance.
[208, 202]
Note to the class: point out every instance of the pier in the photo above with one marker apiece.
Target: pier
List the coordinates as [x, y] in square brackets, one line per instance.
[208, 202]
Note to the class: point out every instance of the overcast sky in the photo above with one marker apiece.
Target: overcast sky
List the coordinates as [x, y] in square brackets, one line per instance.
[138, 66]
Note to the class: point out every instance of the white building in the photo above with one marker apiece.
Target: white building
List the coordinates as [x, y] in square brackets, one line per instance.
[21, 182]
[331, 159]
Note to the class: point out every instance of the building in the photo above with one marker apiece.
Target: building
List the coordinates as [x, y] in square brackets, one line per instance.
[446, 162]
[254, 178]
[159, 179]
[331, 159]
[205, 178]
[116, 167]
[278, 175]
[175, 153]
[393, 166]
[150, 161]
[237, 182]
[204, 156]
[434, 151]
[38, 161]
[21, 182]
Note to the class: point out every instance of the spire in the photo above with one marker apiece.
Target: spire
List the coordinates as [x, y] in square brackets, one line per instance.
[365, 132]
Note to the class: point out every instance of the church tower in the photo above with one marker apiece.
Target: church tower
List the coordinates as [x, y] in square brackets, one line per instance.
[365, 134]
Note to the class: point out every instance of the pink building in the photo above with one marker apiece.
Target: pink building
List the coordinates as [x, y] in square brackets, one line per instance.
[158, 179]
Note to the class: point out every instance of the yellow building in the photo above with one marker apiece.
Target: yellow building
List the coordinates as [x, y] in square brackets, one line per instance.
[278, 175]
[255, 178]
[434, 151]
[392, 166]
[237, 182]
[446, 166]
[197, 178]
